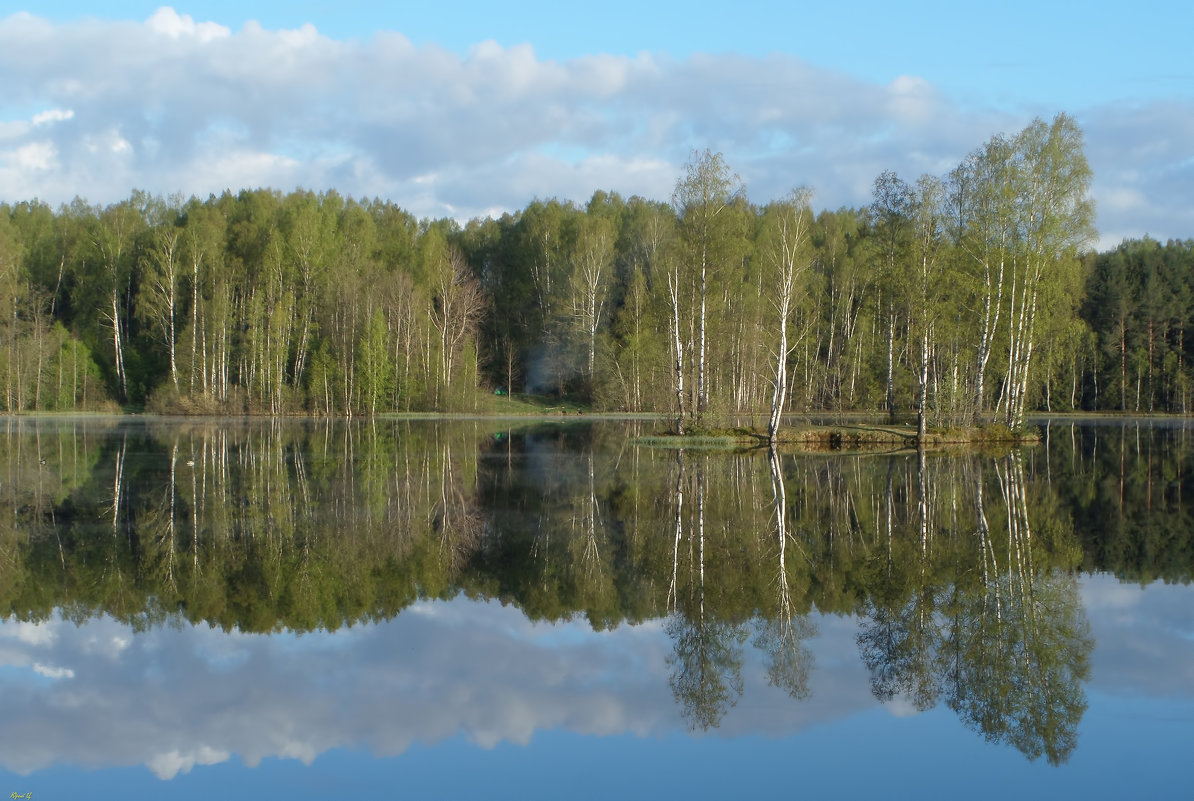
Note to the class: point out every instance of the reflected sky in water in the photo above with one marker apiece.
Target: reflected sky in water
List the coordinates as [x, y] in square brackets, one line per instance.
[173, 588]
[463, 698]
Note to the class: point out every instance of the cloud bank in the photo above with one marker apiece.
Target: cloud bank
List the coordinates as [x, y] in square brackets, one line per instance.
[172, 698]
[96, 108]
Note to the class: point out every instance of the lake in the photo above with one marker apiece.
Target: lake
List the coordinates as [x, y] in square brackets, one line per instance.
[531, 609]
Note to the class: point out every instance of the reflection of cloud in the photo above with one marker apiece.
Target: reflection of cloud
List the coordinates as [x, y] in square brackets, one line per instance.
[1103, 592]
[167, 766]
[901, 707]
[174, 698]
[51, 672]
[35, 634]
[1144, 638]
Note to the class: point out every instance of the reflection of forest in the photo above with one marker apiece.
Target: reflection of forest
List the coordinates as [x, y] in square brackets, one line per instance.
[961, 566]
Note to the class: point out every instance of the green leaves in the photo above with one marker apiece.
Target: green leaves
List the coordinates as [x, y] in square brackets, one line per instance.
[934, 298]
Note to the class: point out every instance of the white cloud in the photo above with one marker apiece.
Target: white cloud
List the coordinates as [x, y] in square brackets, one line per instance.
[237, 167]
[35, 634]
[912, 101]
[170, 23]
[109, 647]
[173, 698]
[1145, 638]
[170, 764]
[1104, 592]
[404, 682]
[13, 129]
[51, 672]
[31, 158]
[175, 104]
[53, 115]
[901, 707]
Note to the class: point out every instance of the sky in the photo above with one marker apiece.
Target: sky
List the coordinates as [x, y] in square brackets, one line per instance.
[466, 108]
[188, 704]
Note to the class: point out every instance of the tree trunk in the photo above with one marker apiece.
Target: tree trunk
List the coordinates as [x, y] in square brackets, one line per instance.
[891, 358]
[674, 291]
[117, 347]
[702, 380]
[779, 395]
[923, 400]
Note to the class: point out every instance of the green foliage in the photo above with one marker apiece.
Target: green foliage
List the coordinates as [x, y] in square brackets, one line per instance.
[1137, 303]
[311, 303]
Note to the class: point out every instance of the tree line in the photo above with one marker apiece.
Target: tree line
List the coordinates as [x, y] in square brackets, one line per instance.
[963, 297]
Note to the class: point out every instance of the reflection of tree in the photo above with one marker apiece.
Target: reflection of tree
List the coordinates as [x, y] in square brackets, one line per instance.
[782, 635]
[1019, 680]
[455, 517]
[897, 646]
[958, 565]
[548, 539]
[118, 486]
[1020, 646]
[157, 529]
[1009, 645]
[1129, 498]
[290, 527]
[707, 657]
[707, 668]
[900, 629]
[593, 577]
[678, 496]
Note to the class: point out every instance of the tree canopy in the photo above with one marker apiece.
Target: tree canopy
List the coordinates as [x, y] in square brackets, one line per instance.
[967, 296]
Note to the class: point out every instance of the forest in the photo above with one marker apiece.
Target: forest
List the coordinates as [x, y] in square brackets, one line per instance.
[966, 297]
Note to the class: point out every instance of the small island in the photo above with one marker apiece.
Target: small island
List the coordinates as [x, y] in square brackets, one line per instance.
[842, 436]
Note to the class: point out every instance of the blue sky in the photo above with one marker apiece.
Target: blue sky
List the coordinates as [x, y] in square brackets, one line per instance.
[96, 709]
[470, 108]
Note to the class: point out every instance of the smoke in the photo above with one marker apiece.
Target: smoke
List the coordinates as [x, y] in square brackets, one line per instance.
[551, 368]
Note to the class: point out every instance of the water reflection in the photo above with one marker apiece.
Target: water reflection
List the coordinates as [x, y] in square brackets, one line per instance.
[952, 577]
[178, 696]
[783, 636]
[1005, 642]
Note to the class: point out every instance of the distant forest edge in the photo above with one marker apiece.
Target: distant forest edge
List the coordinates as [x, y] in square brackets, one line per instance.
[975, 295]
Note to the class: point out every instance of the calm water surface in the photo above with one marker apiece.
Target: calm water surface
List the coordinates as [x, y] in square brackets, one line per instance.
[482, 609]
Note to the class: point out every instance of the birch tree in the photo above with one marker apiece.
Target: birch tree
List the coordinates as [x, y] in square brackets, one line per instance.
[161, 288]
[309, 225]
[981, 199]
[544, 253]
[927, 285]
[1056, 221]
[592, 261]
[641, 333]
[11, 303]
[112, 234]
[1024, 217]
[703, 198]
[456, 309]
[891, 209]
[203, 252]
[786, 253]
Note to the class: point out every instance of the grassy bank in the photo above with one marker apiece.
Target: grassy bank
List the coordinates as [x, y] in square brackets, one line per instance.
[845, 436]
